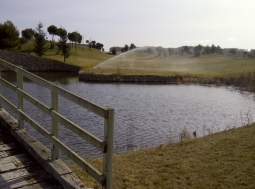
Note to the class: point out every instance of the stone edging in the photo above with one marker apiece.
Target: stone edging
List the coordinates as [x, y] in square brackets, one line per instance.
[36, 64]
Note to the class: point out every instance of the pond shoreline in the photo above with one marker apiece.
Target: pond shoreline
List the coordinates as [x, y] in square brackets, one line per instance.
[243, 82]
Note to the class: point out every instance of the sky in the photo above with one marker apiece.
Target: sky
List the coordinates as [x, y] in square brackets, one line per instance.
[167, 23]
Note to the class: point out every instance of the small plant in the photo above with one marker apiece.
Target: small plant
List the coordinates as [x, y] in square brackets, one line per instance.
[184, 134]
[130, 133]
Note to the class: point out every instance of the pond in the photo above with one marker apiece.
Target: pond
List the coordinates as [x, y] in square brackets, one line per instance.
[145, 114]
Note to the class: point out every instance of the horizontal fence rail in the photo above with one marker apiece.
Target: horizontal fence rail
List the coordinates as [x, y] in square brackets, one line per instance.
[105, 146]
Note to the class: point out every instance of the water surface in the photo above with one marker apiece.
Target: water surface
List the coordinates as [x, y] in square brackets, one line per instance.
[145, 115]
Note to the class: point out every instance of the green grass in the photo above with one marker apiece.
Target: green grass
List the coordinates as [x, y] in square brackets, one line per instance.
[186, 65]
[221, 160]
[79, 57]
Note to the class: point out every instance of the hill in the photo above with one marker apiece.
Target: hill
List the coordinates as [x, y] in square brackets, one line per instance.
[81, 56]
[213, 65]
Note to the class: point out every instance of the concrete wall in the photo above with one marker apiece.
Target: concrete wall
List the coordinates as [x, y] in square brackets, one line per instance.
[34, 63]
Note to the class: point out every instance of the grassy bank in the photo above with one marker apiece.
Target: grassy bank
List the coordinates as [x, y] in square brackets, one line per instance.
[81, 56]
[186, 65]
[221, 160]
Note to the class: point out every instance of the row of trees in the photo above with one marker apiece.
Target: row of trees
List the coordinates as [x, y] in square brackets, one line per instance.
[40, 40]
[95, 45]
[161, 51]
[125, 48]
[73, 37]
[40, 44]
[199, 49]
[9, 38]
[233, 51]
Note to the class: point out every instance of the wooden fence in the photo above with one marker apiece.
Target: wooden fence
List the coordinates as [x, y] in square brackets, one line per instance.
[105, 146]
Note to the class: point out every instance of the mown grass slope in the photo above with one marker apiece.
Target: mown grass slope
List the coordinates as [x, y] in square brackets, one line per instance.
[80, 56]
[187, 65]
[221, 160]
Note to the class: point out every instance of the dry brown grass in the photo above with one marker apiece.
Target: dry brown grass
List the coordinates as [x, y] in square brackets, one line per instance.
[221, 160]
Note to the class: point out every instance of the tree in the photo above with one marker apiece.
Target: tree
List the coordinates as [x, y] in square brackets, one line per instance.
[219, 50]
[28, 33]
[170, 51]
[245, 53]
[71, 37]
[126, 48]
[52, 31]
[75, 38]
[159, 49]
[232, 51]
[40, 42]
[213, 49]
[65, 47]
[9, 35]
[114, 51]
[197, 50]
[207, 49]
[61, 32]
[99, 46]
[132, 46]
[186, 49]
[93, 44]
[149, 50]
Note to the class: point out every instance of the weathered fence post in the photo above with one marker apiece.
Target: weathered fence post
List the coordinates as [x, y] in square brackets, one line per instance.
[54, 124]
[20, 98]
[108, 156]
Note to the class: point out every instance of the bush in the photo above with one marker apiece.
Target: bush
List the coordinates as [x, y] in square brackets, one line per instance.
[9, 35]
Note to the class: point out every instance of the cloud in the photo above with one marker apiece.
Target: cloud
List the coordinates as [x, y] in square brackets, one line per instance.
[232, 39]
